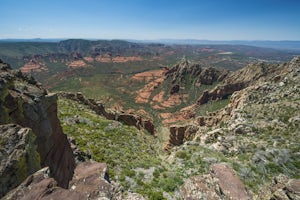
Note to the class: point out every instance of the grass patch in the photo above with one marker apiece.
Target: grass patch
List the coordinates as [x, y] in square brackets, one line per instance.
[211, 106]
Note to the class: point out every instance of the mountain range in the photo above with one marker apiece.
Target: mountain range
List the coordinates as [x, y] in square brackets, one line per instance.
[281, 44]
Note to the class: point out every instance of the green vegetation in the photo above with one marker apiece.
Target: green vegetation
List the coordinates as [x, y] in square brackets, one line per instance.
[211, 106]
[125, 149]
[134, 157]
[20, 49]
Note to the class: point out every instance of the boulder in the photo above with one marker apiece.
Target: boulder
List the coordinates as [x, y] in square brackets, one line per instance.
[281, 188]
[90, 181]
[221, 183]
[229, 183]
[200, 187]
[40, 185]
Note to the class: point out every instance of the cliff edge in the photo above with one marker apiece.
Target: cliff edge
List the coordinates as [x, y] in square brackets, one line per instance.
[25, 103]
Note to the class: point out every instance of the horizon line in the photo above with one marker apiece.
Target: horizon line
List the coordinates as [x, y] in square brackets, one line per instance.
[159, 39]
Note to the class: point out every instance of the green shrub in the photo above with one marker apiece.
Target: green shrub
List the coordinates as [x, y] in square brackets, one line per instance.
[156, 173]
[181, 154]
[156, 195]
[129, 173]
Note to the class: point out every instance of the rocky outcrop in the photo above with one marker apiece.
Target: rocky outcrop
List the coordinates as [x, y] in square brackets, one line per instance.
[137, 121]
[237, 100]
[98, 107]
[281, 188]
[196, 72]
[40, 185]
[175, 89]
[79, 155]
[221, 183]
[24, 102]
[180, 134]
[220, 92]
[229, 183]
[34, 65]
[18, 156]
[239, 80]
[90, 181]
[127, 118]
[171, 87]
[23, 150]
[263, 110]
[269, 83]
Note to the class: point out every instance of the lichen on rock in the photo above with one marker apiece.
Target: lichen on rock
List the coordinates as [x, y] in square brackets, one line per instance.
[18, 156]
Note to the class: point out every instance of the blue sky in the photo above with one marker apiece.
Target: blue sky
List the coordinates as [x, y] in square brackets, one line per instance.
[151, 19]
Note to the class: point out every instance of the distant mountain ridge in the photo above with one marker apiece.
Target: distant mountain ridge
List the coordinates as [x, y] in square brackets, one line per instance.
[280, 44]
[16, 50]
[293, 45]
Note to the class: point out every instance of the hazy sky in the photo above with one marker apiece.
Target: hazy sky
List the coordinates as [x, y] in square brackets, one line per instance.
[151, 19]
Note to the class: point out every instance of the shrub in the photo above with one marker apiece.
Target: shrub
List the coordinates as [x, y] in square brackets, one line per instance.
[181, 154]
[156, 195]
[156, 173]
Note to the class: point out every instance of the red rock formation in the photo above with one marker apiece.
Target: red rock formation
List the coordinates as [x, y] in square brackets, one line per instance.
[33, 66]
[178, 76]
[77, 64]
[104, 59]
[123, 59]
[182, 115]
[144, 94]
[148, 76]
[180, 134]
[88, 59]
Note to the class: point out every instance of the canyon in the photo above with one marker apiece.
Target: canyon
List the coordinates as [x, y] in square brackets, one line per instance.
[186, 131]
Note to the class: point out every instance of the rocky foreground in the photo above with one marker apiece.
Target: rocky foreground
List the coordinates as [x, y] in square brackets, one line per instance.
[250, 148]
[32, 138]
[258, 130]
